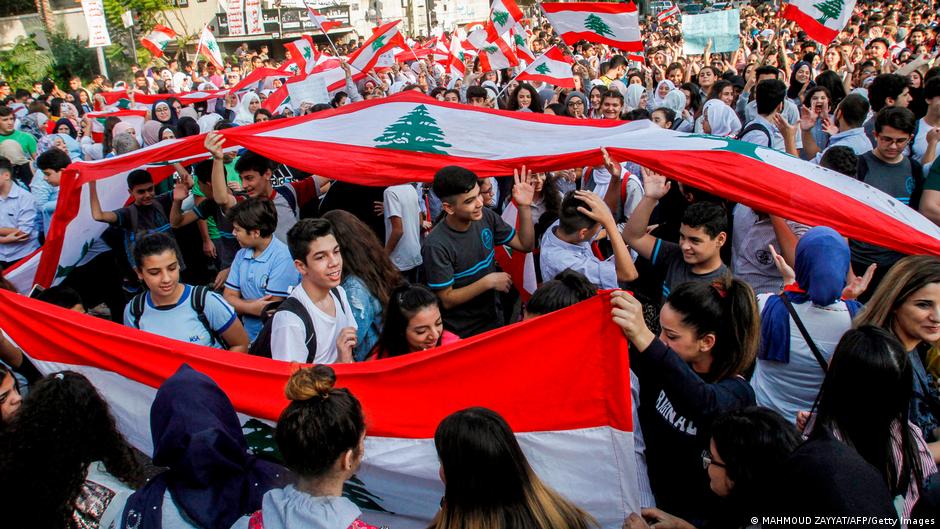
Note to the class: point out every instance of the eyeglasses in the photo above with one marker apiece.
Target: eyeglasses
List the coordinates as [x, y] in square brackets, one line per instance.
[707, 460]
[576, 103]
[893, 141]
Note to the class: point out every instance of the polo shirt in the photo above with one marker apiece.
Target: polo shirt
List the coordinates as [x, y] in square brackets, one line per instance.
[180, 321]
[271, 273]
[27, 141]
[556, 255]
[18, 210]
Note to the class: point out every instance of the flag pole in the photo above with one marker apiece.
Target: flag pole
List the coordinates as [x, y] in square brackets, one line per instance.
[336, 51]
[510, 81]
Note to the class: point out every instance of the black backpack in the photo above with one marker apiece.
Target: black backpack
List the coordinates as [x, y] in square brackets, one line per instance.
[262, 344]
[752, 126]
[197, 300]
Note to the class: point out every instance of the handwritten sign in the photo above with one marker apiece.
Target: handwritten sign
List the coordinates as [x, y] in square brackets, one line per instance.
[722, 27]
[97, 26]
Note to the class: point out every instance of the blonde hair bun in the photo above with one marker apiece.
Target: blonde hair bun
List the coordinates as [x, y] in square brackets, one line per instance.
[309, 382]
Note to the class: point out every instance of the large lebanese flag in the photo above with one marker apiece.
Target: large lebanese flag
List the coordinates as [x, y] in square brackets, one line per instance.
[616, 25]
[552, 67]
[409, 136]
[134, 117]
[574, 424]
[821, 19]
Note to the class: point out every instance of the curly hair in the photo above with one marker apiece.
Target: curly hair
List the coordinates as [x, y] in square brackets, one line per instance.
[363, 255]
[63, 426]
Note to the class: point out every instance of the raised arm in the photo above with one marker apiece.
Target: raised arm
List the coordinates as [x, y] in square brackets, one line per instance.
[96, 213]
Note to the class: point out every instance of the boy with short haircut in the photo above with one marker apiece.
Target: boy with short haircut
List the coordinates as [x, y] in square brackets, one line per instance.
[45, 190]
[702, 233]
[177, 310]
[18, 234]
[324, 304]
[256, 172]
[403, 229]
[567, 244]
[459, 252]
[763, 129]
[261, 271]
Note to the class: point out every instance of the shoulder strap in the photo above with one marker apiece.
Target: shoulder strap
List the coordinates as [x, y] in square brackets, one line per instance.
[197, 300]
[160, 211]
[339, 299]
[805, 333]
[134, 217]
[288, 195]
[296, 307]
[862, 170]
[752, 126]
[137, 307]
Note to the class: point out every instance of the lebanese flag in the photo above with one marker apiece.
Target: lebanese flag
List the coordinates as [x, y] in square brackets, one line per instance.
[383, 39]
[552, 67]
[495, 54]
[303, 52]
[157, 40]
[577, 434]
[637, 57]
[352, 143]
[209, 48]
[821, 19]
[504, 15]
[520, 47]
[321, 21]
[666, 14]
[616, 25]
[519, 265]
[259, 77]
[187, 98]
[133, 117]
[453, 66]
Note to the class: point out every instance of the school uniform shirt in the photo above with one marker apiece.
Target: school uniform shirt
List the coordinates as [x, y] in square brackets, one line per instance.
[18, 210]
[557, 255]
[180, 321]
[402, 201]
[459, 258]
[757, 137]
[101, 500]
[289, 338]
[668, 256]
[271, 273]
[750, 258]
[854, 139]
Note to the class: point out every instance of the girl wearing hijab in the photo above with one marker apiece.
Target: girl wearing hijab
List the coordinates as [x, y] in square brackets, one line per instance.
[166, 133]
[69, 112]
[71, 146]
[64, 126]
[207, 123]
[718, 119]
[187, 126]
[675, 101]
[210, 479]
[164, 113]
[150, 132]
[576, 105]
[635, 98]
[801, 80]
[788, 373]
[245, 111]
[662, 90]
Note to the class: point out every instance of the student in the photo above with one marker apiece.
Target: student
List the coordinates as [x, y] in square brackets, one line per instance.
[567, 245]
[255, 172]
[703, 232]
[488, 481]
[325, 308]
[8, 132]
[692, 373]
[849, 117]
[46, 191]
[261, 271]
[320, 436]
[459, 252]
[886, 91]
[888, 169]
[62, 296]
[567, 288]
[18, 234]
[10, 398]
[924, 144]
[413, 323]
[763, 129]
[177, 310]
[402, 211]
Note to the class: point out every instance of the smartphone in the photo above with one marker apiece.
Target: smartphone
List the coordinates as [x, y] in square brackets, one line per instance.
[36, 290]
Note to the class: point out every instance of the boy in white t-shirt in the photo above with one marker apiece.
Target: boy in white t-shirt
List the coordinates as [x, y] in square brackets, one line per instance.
[403, 229]
[317, 257]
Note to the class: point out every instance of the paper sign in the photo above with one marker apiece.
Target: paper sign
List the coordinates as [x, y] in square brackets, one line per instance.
[253, 17]
[312, 89]
[722, 27]
[97, 26]
[235, 15]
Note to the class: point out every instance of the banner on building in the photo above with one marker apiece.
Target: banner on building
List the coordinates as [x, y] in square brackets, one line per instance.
[97, 25]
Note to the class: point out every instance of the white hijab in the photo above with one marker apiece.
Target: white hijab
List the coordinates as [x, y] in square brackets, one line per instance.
[721, 118]
[243, 116]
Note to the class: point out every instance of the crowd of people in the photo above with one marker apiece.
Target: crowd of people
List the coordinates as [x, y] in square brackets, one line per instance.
[777, 368]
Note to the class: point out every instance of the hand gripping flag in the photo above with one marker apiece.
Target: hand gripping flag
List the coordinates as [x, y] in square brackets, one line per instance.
[408, 137]
[303, 52]
[157, 40]
[616, 25]
[821, 19]
[668, 13]
[504, 15]
[321, 21]
[209, 48]
[552, 67]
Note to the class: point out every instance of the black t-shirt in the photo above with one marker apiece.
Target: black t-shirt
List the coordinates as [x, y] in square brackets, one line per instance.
[456, 259]
[153, 217]
[359, 200]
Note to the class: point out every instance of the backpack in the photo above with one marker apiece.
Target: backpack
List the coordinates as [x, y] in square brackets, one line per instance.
[752, 126]
[262, 344]
[197, 301]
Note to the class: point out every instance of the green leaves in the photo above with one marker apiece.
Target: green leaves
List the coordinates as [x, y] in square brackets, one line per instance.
[25, 62]
[378, 43]
[543, 69]
[829, 9]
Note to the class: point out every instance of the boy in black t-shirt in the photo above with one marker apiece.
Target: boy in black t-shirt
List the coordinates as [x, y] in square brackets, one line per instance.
[459, 253]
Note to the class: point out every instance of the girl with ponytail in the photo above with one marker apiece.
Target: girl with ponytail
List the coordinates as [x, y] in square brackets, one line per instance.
[689, 375]
[320, 436]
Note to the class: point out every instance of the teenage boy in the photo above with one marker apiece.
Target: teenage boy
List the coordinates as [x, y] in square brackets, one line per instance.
[887, 90]
[849, 117]
[318, 259]
[45, 190]
[567, 244]
[18, 234]
[261, 271]
[459, 252]
[403, 229]
[763, 129]
[8, 132]
[924, 144]
[148, 212]
[177, 310]
[255, 172]
[702, 233]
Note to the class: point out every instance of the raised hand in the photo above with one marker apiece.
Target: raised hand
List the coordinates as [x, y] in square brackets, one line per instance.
[612, 167]
[655, 185]
[523, 192]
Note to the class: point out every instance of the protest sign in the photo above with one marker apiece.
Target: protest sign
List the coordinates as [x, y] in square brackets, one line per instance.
[722, 27]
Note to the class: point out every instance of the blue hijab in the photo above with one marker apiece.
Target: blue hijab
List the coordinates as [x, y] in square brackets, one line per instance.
[822, 263]
[211, 475]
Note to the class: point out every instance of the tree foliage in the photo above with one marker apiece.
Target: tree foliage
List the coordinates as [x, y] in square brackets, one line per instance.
[25, 62]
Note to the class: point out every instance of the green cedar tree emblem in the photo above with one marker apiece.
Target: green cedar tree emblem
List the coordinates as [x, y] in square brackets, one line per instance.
[500, 17]
[379, 42]
[543, 69]
[491, 50]
[597, 25]
[415, 131]
[829, 9]
[63, 271]
[520, 42]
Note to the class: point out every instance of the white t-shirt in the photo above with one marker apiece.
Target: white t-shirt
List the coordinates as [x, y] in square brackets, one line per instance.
[288, 336]
[402, 201]
[919, 144]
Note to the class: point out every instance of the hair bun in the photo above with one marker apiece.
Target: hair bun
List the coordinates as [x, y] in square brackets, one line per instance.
[309, 382]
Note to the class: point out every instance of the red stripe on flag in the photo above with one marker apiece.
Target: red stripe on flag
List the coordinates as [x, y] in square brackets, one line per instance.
[571, 37]
[811, 26]
[538, 78]
[590, 7]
